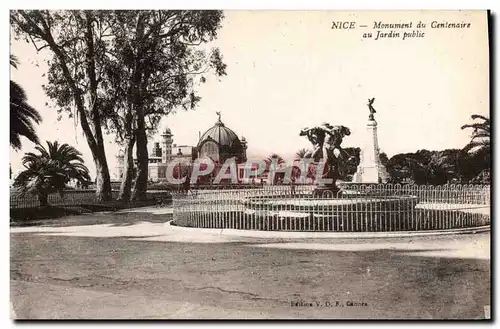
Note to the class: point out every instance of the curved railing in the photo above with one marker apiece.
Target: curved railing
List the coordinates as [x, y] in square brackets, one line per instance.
[357, 208]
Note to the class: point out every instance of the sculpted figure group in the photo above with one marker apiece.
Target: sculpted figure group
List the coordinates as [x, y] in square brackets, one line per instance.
[326, 140]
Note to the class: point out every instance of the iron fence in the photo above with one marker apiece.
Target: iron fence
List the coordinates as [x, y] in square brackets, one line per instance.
[361, 208]
[458, 194]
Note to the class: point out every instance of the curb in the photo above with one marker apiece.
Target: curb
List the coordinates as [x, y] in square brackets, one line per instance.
[330, 235]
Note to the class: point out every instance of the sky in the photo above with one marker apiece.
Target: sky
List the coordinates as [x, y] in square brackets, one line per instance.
[287, 70]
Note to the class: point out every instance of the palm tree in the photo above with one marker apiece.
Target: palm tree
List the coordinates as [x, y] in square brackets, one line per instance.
[273, 162]
[14, 61]
[300, 165]
[480, 137]
[50, 170]
[274, 158]
[22, 115]
[299, 155]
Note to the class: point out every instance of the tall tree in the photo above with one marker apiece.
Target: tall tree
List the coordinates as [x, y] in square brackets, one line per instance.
[77, 41]
[22, 115]
[159, 60]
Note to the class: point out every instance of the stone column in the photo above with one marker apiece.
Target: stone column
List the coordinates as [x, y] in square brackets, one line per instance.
[370, 169]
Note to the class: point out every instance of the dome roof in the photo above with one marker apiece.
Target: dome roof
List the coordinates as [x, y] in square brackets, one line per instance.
[228, 143]
[222, 135]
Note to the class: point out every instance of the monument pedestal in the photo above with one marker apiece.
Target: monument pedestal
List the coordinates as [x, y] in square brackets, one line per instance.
[370, 169]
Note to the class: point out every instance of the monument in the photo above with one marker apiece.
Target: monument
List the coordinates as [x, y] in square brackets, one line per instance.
[370, 169]
[326, 140]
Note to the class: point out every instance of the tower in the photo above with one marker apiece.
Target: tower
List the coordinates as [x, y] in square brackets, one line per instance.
[370, 169]
[167, 140]
[244, 145]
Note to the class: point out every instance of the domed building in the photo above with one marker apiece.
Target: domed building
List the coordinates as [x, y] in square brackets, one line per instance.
[220, 143]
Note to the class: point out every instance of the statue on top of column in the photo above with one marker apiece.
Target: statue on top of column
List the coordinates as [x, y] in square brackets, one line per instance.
[370, 107]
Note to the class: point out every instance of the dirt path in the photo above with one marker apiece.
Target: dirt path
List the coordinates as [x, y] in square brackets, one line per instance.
[126, 266]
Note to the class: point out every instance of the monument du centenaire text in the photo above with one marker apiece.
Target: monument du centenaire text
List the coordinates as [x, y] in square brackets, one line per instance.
[377, 30]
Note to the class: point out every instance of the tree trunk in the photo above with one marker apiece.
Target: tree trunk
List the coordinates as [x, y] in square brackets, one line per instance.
[128, 171]
[141, 181]
[137, 100]
[103, 180]
[103, 188]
